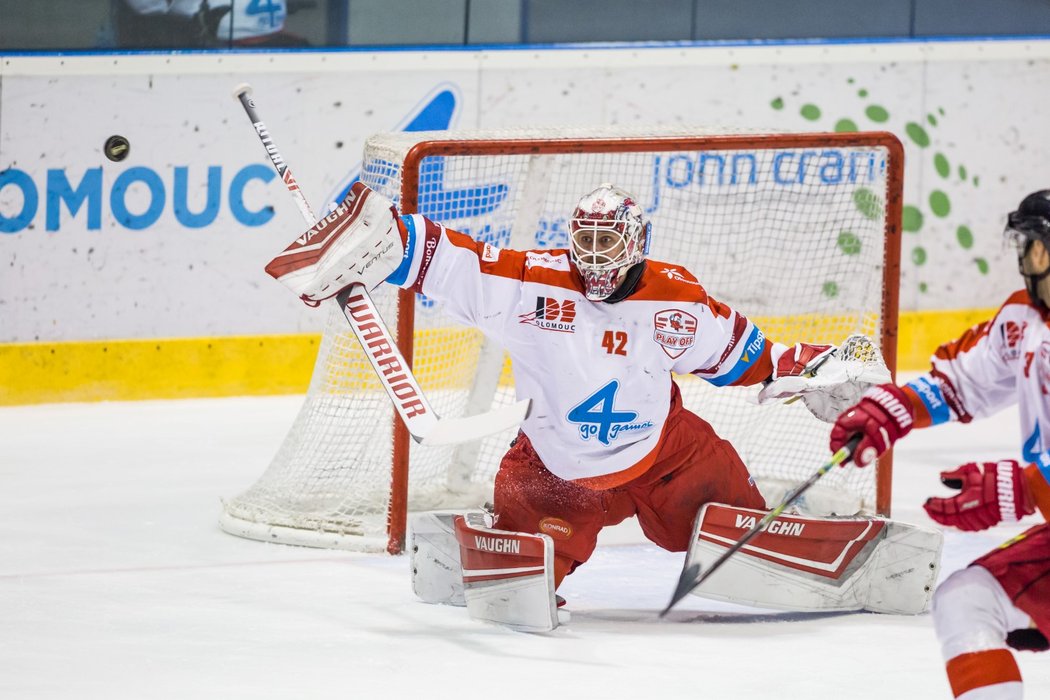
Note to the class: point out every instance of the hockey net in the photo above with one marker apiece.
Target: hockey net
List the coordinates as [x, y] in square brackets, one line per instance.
[800, 232]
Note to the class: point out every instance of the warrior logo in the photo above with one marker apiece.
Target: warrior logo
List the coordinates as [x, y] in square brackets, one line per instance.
[675, 331]
[552, 315]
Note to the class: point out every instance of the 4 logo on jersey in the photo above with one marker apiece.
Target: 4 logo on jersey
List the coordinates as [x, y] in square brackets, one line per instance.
[599, 418]
[552, 315]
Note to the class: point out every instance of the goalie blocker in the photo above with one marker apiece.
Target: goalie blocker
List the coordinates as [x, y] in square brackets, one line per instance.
[800, 563]
[822, 564]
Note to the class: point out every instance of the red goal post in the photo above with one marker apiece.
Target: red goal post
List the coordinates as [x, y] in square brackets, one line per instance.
[801, 232]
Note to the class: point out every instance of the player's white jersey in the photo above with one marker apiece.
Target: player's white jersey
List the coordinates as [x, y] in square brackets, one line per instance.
[993, 365]
[599, 374]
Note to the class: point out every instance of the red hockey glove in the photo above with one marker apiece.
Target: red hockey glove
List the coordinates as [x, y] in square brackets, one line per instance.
[992, 493]
[882, 417]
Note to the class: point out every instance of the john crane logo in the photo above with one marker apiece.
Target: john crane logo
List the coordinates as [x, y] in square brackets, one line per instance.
[552, 315]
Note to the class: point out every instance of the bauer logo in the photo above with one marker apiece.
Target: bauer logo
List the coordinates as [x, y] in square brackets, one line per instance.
[552, 315]
[675, 331]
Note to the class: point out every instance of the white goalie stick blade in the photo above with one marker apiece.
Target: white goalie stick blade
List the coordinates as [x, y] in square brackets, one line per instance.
[422, 422]
[508, 577]
[451, 431]
[804, 563]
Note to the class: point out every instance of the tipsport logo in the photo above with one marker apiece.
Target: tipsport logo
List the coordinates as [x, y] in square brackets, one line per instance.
[552, 315]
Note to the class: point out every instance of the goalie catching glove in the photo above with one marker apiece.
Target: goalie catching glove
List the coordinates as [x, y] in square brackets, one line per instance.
[827, 379]
[360, 242]
[991, 493]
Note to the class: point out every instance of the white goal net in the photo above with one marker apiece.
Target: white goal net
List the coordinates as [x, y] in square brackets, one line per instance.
[800, 232]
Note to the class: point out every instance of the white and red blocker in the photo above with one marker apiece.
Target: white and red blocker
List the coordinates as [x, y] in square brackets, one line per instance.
[815, 564]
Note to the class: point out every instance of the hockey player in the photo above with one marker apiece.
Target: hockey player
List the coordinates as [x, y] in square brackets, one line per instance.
[1003, 599]
[594, 333]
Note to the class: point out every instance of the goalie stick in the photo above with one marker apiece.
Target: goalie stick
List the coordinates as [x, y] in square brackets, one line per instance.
[691, 576]
[401, 386]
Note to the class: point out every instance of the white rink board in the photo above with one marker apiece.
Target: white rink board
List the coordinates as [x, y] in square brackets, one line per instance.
[148, 248]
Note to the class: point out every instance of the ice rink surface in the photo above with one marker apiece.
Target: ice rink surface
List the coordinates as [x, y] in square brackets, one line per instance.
[116, 582]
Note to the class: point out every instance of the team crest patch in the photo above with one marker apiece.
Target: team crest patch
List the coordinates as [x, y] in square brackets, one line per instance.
[675, 331]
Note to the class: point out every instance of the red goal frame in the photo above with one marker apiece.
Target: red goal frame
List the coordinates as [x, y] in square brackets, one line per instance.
[397, 513]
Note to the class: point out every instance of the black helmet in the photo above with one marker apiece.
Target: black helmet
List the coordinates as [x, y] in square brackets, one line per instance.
[1032, 218]
[1030, 222]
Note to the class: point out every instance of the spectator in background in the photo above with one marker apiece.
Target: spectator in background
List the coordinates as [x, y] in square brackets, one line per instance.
[192, 24]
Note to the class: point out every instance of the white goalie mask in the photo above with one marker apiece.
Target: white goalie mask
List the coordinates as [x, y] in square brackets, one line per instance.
[607, 236]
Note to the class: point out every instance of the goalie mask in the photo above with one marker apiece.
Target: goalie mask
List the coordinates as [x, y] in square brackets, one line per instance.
[607, 237]
[1031, 223]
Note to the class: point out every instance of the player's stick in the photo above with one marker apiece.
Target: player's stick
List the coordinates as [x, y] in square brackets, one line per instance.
[401, 386]
[691, 576]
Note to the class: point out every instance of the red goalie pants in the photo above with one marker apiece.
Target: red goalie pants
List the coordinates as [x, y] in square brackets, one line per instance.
[1022, 567]
[694, 466]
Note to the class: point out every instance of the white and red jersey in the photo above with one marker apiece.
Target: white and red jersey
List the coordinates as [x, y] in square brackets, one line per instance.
[599, 374]
[993, 365]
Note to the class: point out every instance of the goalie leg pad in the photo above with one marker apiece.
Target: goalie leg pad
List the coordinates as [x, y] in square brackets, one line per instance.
[359, 242]
[807, 563]
[437, 575]
[508, 577]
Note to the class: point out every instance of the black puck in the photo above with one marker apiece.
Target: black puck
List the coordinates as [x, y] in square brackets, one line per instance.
[117, 148]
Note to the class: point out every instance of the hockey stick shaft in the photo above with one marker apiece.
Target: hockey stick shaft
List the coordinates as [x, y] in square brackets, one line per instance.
[357, 305]
[243, 93]
[691, 576]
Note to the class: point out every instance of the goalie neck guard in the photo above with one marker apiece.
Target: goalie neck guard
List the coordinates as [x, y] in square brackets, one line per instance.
[607, 237]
